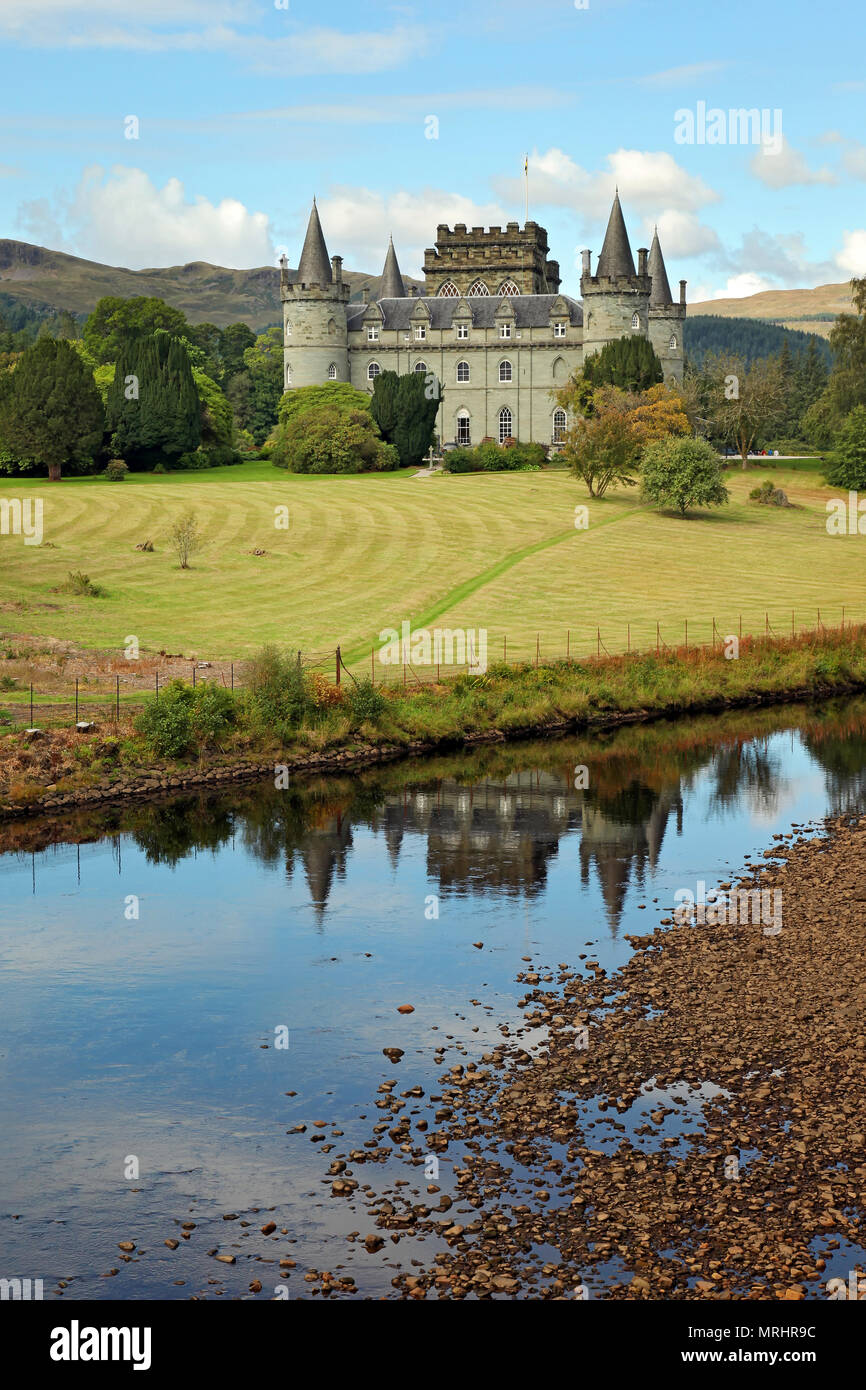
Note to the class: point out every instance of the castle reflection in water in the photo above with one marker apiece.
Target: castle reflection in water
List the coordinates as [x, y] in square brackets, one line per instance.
[499, 835]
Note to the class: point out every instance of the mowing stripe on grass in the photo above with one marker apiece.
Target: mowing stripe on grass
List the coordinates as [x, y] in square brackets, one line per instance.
[471, 586]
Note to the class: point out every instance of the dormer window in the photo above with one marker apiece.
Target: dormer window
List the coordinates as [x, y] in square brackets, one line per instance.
[420, 332]
[462, 331]
[373, 333]
[505, 330]
[559, 330]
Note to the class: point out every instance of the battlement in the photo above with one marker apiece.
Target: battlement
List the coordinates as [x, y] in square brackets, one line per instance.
[515, 255]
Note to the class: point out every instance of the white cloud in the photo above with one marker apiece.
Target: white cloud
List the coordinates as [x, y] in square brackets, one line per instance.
[681, 234]
[782, 167]
[680, 77]
[855, 160]
[739, 286]
[122, 218]
[358, 221]
[852, 257]
[650, 181]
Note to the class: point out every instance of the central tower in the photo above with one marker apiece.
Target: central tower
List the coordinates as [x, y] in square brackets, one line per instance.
[478, 262]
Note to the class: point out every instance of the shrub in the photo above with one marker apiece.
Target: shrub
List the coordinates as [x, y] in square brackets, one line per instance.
[184, 537]
[184, 718]
[77, 582]
[365, 702]
[325, 439]
[277, 695]
[769, 495]
[116, 470]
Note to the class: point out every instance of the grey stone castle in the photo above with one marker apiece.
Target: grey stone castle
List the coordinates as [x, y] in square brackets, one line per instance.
[491, 326]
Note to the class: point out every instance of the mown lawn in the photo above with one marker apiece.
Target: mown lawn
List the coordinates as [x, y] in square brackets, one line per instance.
[361, 554]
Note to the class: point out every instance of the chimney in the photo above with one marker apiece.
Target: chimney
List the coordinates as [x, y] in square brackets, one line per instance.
[682, 292]
[337, 269]
[365, 294]
[586, 257]
[642, 254]
[284, 269]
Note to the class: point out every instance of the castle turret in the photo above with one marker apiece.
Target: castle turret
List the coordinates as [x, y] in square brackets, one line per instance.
[315, 335]
[392, 286]
[616, 297]
[665, 317]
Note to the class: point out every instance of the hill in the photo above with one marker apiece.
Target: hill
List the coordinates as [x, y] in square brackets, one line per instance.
[812, 311]
[53, 281]
[751, 338]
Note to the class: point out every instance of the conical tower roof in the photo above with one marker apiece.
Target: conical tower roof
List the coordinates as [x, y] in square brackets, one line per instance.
[392, 286]
[616, 257]
[314, 267]
[661, 291]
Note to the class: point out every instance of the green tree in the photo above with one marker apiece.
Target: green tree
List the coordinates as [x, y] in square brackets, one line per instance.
[744, 403]
[217, 418]
[603, 448]
[115, 321]
[152, 405]
[847, 463]
[405, 410]
[50, 409]
[629, 362]
[682, 473]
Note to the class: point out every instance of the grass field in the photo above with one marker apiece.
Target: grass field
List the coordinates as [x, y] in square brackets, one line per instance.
[499, 552]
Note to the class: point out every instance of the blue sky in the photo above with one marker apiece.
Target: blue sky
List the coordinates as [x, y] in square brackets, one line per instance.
[399, 117]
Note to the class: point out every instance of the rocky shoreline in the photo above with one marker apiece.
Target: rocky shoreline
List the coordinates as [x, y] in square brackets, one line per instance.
[702, 1139]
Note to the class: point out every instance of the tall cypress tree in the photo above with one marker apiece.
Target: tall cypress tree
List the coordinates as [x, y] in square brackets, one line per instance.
[153, 404]
[417, 407]
[383, 405]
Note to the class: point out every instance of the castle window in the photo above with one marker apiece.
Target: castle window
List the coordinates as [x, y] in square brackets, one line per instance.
[635, 320]
[560, 421]
[508, 287]
[288, 374]
[373, 371]
[463, 330]
[462, 371]
[505, 371]
[420, 367]
[477, 288]
[504, 424]
[463, 427]
[288, 329]
[373, 333]
[449, 290]
[559, 330]
[505, 330]
[332, 372]
[420, 332]
[673, 342]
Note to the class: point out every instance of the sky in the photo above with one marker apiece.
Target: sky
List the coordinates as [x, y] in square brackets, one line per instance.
[159, 132]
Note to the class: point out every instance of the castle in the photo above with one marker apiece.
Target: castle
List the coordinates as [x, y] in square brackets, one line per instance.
[491, 326]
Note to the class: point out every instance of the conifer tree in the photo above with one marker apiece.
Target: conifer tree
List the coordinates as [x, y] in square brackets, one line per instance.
[50, 409]
[629, 362]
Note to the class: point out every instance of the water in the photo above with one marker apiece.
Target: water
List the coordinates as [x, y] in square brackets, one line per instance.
[154, 958]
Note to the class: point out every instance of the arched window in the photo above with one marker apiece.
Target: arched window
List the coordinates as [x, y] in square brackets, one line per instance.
[288, 329]
[463, 427]
[332, 372]
[449, 290]
[373, 371]
[477, 288]
[505, 370]
[462, 371]
[673, 342]
[635, 320]
[508, 287]
[560, 421]
[420, 367]
[504, 424]
[288, 374]
[560, 369]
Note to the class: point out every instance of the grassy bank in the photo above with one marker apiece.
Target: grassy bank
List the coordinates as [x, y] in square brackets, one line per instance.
[284, 716]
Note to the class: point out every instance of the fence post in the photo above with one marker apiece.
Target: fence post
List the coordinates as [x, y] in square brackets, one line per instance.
[628, 637]
[687, 634]
[537, 641]
[766, 623]
[117, 699]
[372, 666]
[741, 624]
[598, 642]
[568, 645]
[792, 624]
[339, 659]
[658, 638]
[233, 675]
[505, 651]
[193, 675]
[157, 684]
[31, 704]
[76, 699]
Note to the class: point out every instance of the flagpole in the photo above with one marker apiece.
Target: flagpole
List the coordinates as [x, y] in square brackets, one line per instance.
[526, 182]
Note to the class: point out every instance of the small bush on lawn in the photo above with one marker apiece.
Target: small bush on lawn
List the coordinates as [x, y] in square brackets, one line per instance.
[77, 582]
[116, 470]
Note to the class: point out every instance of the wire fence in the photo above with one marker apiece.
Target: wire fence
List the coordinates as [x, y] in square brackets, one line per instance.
[411, 662]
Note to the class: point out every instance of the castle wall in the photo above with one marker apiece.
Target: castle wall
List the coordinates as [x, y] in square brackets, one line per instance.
[665, 324]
